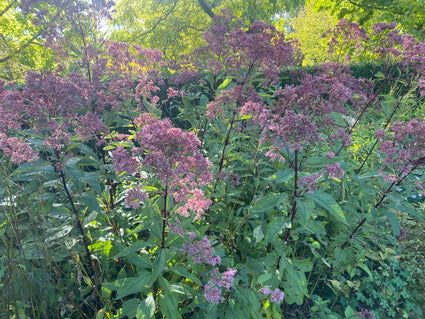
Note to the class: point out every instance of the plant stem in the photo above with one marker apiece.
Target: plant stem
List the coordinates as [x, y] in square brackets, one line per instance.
[369, 102]
[385, 127]
[164, 217]
[295, 195]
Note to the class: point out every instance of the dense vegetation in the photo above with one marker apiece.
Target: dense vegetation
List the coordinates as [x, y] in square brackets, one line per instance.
[231, 182]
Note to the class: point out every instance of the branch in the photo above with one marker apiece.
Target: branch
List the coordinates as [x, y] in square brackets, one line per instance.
[206, 9]
[141, 35]
[372, 7]
[31, 41]
[8, 7]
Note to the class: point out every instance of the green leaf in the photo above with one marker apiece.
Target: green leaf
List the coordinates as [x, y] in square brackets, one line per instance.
[224, 84]
[262, 279]
[90, 200]
[268, 202]
[395, 223]
[159, 263]
[328, 202]
[168, 302]
[103, 247]
[137, 245]
[366, 270]
[258, 234]
[295, 283]
[281, 176]
[129, 308]
[275, 227]
[130, 285]
[203, 100]
[305, 207]
[180, 270]
[146, 309]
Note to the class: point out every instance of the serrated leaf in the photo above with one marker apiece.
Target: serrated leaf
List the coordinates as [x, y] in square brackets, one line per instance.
[328, 202]
[305, 207]
[395, 223]
[275, 227]
[159, 264]
[90, 200]
[129, 308]
[224, 84]
[130, 285]
[103, 247]
[268, 202]
[137, 245]
[203, 100]
[262, 279]
[180, 270]
[281, 176]
[168, 305]
[295, 284]
[258, 234]
[146, 309]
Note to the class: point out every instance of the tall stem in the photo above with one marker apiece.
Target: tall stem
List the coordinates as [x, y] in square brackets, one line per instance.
[164, 217]
[366, 106]
[295, 195]
[385, 126]
[399, 180]
[226, 142]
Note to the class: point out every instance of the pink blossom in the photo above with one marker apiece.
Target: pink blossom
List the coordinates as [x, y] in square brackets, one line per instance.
[309, 182]
[135, 196]
[18, 151]
[265, 290]
[334, 171]
[123, 162]
[277, 296]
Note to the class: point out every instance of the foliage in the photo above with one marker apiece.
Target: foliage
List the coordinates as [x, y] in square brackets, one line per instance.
[175, 26]
[257, 199]
[21, 41]
[408, 14]
[308, 28]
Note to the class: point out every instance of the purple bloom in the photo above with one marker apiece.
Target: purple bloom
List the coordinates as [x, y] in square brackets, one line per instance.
[123, 162]
[334, 171]
[277, 296]
[213, 294]
[309, 182]
[134, 197]
[365, 314]
[265, 290]
[201, 251]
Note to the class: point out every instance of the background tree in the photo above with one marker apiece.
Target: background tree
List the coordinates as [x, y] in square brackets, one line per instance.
[409, 14]
[176, 26]
[308, 28]
[22, 37]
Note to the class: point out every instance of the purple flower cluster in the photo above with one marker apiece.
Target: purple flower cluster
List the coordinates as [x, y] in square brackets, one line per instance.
[213, 291]
[345, 35]
[229, 48]
[201, 251]
[365, 314]
[173, 156]
[18, 151]
[276, 295]
[135, 196]
[402, 146]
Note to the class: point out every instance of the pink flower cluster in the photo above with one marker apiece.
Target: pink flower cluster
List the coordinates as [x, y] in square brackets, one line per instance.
[402, 146]
[212, 290]
[276, 295]
[174, 157]
[344, 36]
[201, 251]
[229, 48]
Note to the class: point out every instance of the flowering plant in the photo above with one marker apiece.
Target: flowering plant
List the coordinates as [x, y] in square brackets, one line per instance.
[258, 199]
